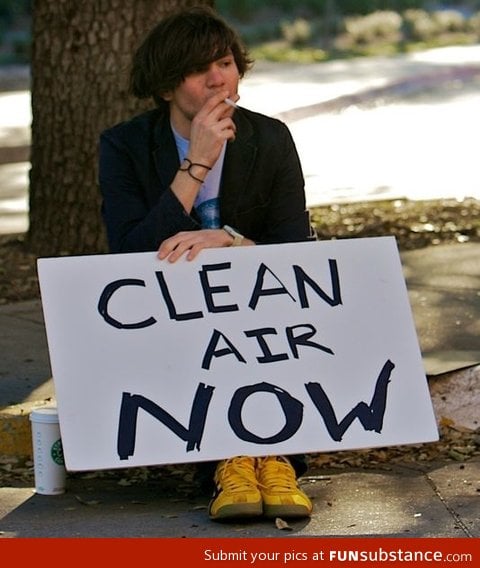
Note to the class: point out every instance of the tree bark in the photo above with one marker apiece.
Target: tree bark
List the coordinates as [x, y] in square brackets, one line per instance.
[80, 62]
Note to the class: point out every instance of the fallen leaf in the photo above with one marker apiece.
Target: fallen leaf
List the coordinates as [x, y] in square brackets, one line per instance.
[84, 502]
[282, 525]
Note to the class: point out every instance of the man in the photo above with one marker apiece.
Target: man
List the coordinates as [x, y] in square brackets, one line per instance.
[199, 172]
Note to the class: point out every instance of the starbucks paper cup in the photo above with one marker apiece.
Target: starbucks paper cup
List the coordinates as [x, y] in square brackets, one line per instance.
[49, 466]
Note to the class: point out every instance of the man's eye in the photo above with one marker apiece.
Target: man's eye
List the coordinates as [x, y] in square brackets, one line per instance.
[199, 69]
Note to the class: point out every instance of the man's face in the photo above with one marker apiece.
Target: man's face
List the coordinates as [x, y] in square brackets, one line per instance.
[190, 96]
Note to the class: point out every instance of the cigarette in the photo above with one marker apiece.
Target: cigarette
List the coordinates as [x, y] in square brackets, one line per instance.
[231, 103]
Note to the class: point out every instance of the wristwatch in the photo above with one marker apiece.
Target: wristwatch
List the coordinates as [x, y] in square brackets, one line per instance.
[237, 237]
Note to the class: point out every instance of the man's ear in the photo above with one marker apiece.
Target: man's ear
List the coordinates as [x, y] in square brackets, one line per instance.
[167, 96]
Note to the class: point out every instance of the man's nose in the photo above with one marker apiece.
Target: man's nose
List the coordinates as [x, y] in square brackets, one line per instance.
[215, 77]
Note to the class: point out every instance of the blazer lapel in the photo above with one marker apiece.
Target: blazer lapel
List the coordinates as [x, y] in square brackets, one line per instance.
[237, 167]
[165, 153]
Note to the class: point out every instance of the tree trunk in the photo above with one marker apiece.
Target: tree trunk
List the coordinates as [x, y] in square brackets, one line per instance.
[80, 62]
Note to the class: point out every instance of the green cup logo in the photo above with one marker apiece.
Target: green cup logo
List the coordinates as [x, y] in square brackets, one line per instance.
[57, 453]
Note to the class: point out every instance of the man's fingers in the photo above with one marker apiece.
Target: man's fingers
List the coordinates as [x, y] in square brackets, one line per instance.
[191, 243]
[213, 103]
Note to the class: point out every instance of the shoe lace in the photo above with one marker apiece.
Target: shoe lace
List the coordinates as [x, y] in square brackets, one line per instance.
[277, 474]
[237, 474]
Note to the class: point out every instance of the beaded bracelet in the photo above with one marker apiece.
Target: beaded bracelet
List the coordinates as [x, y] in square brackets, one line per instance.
[188, 169]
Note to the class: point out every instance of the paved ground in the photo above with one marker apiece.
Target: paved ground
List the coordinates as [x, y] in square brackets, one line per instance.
[400, 502]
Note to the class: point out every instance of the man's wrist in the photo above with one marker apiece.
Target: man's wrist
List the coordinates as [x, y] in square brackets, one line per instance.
[195, 169]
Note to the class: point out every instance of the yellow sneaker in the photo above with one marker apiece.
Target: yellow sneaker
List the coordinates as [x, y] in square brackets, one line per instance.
[282, 497]
[237, 495]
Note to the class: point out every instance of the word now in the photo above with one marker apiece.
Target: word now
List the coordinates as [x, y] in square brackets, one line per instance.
[370, 415]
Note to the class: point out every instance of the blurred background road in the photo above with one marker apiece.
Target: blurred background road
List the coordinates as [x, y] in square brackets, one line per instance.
[366, 128]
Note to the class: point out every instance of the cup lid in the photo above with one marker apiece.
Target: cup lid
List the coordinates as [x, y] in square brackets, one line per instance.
[45, 414]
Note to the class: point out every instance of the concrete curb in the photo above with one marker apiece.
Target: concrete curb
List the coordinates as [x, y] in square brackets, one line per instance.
[15, 430]
[456, 398]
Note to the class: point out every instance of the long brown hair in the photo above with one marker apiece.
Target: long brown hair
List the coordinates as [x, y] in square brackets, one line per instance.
[181, 44]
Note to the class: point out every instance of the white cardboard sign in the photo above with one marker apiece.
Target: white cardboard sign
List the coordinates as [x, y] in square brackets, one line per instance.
[279, 349]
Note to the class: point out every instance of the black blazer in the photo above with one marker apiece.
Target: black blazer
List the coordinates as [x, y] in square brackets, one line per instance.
[261, 190]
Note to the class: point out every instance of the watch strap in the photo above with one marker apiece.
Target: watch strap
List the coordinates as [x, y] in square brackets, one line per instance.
[237, 237]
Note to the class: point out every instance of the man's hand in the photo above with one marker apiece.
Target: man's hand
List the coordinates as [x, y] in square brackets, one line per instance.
[192, 242]
[211, 127]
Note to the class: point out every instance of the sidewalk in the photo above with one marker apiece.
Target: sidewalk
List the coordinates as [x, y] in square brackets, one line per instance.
[437, 500]
[442, 501]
